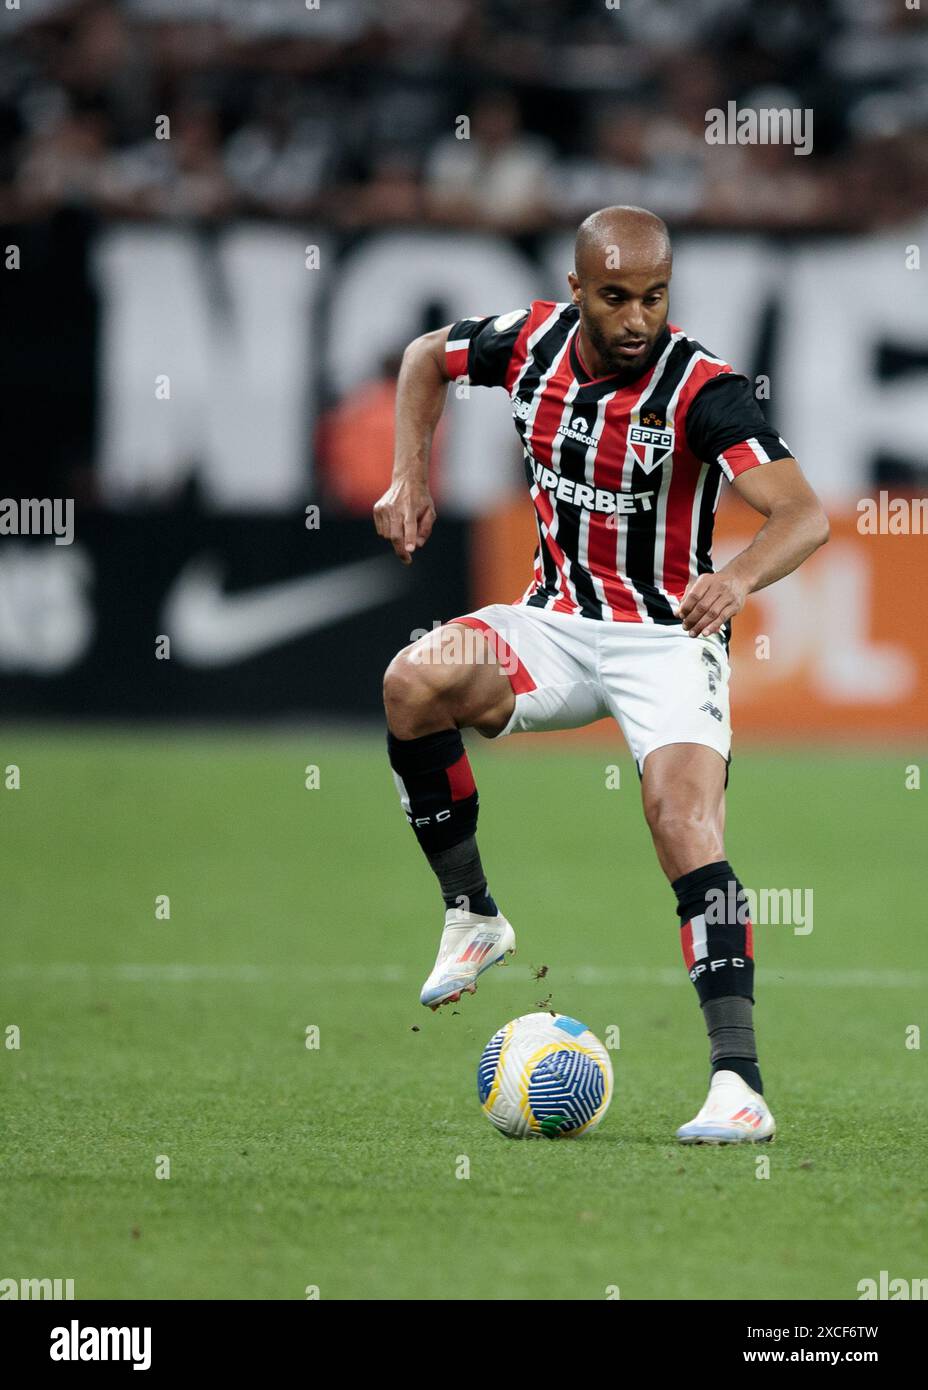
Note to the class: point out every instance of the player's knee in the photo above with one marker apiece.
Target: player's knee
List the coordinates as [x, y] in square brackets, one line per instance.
[414, 685]
[402, 685]
[676, 824]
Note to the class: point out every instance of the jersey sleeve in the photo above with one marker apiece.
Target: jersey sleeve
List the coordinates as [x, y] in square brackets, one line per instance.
[725, 426]
[481, 349]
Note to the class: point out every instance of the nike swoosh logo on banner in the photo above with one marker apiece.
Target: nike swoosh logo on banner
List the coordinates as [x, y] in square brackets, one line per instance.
[208, 627]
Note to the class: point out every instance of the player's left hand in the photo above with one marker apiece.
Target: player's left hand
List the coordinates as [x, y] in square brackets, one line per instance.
[709, 601]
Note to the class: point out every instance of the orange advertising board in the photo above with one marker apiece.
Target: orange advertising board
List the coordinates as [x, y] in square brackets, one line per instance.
[839, 648]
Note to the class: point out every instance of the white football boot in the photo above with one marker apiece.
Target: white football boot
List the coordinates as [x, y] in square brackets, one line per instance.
[732, 1114]
[469, 945]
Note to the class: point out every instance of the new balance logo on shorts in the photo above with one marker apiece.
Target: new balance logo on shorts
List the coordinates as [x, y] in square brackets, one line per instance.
[714, 710]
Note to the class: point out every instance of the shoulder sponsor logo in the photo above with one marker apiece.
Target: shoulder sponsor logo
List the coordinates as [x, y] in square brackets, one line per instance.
[507, 320]
[651, 447]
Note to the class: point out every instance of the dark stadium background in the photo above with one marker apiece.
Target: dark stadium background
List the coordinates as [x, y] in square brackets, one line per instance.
[311, 211]
[335, 128]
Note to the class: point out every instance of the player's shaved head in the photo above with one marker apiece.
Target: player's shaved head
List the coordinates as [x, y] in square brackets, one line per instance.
[621, 238]
[621, 285]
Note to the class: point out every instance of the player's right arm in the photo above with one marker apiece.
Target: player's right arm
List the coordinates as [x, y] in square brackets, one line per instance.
[405, 514]
[484, 351]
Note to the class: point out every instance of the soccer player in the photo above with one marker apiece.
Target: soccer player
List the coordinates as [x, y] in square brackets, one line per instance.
[628, 428]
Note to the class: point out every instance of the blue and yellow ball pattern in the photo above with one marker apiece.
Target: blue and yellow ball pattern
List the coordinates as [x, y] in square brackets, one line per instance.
[544, 1076]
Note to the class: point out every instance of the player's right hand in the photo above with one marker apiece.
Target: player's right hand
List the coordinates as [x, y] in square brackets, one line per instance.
[404, 516]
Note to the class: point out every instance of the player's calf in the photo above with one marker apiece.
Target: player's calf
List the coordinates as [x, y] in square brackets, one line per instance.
[430, 693]
[683, 793]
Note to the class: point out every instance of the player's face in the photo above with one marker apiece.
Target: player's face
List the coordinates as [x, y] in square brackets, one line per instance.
[623, 314]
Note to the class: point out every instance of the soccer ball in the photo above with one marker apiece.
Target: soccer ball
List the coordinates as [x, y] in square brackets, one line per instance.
[544, 1076]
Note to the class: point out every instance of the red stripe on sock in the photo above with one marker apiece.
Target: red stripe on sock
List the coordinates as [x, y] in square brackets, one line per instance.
[461, 779]
[686, 941]
[749, 940]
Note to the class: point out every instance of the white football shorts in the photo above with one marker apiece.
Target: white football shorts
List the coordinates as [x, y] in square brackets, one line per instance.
[659, 684]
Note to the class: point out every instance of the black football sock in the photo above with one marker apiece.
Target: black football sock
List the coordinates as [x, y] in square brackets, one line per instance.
[436, 785]
[730, 1026]
[718, 947]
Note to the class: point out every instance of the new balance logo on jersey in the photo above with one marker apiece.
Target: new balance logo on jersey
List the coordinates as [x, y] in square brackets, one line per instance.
[651, 447]
[591, 499]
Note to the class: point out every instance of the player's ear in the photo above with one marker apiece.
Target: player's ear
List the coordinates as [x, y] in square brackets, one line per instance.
[574, 284]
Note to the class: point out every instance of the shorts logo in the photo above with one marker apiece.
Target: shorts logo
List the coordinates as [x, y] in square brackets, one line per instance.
[713, 670]
[651, 447]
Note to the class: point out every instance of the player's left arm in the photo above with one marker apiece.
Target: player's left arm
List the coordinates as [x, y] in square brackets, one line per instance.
[796, 526]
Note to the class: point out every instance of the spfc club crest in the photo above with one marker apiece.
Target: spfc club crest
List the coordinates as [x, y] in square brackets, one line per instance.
[651, 444]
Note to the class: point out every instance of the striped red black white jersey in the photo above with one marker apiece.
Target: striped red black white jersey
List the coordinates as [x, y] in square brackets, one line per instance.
[625, 477]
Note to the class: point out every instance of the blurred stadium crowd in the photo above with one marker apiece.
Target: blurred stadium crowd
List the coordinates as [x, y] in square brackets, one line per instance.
[346, 112]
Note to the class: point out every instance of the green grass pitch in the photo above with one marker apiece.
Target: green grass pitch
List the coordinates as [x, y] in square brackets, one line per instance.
[336, 1167]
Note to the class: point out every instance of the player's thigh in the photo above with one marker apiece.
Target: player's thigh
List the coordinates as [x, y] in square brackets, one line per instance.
[550, 663]
[665, 687]
[454, 672]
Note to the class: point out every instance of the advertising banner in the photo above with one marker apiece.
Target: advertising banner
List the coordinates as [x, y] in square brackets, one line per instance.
[839, 648]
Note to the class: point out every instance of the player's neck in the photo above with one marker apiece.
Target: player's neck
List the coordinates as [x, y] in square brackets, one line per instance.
[596, 369]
